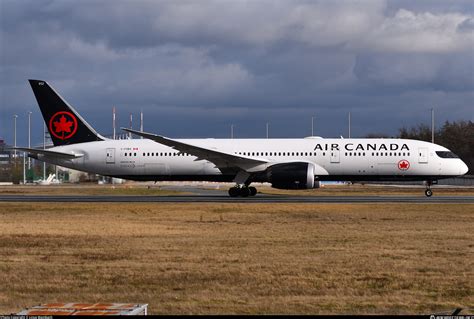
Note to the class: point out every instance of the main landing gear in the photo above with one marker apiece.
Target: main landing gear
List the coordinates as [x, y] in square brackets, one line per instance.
[242, 191]
[428, 191]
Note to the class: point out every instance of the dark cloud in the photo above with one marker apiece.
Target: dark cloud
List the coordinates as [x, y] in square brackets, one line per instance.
[196, 67]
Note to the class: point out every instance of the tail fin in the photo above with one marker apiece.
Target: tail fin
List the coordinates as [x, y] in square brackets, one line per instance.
[65, 125]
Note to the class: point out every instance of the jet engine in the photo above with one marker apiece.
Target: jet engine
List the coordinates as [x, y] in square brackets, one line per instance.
[296, 175]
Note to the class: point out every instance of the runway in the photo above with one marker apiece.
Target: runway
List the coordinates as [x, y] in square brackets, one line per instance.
[260, 198]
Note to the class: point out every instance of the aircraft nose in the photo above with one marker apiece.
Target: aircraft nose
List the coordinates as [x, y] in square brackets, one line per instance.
[463, 169]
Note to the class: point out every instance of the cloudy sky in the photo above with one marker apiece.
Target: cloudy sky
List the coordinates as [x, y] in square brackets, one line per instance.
[195, 67]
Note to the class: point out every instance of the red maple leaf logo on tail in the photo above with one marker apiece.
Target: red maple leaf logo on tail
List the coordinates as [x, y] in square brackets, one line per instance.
[64, 127]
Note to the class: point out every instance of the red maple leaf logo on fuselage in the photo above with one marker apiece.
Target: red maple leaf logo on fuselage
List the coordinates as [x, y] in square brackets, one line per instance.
[403, 165]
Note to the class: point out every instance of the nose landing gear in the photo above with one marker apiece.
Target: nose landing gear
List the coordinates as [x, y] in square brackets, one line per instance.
[242, 191]
[428, 191]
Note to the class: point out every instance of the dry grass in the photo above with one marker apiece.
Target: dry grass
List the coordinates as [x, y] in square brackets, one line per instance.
[88, 189]
[239, 258]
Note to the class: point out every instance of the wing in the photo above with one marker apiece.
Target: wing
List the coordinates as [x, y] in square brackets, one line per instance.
[222, 160]
[48, 153]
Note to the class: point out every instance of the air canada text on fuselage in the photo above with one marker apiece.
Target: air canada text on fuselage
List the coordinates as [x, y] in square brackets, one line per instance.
[362, 147]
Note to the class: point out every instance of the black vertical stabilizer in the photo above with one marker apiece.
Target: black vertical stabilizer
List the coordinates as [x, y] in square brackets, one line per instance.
[65, 125]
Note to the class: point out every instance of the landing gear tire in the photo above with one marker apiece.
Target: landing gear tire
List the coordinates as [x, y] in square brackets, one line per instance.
[242, 191]
[428, 192]
[234, 191]
[253, 191]
[245, 192]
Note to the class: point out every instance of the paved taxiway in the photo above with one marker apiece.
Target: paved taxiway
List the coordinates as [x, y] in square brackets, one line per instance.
[260, 198]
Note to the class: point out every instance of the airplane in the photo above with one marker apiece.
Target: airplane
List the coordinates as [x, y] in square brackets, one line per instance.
[291, 163]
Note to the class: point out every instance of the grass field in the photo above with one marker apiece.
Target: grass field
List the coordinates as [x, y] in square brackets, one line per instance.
[239, 258]
[88, 189]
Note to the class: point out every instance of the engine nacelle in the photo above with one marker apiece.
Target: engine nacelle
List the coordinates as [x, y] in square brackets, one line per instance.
[297, 175]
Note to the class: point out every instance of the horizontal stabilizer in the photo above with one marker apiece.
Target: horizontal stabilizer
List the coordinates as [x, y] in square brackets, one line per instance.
[48, 153]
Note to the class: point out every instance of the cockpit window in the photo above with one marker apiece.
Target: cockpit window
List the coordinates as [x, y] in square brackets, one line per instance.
[443, 154]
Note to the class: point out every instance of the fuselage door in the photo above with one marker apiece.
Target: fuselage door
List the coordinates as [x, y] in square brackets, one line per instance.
[422, 155]
[110, 156]
[334, 156]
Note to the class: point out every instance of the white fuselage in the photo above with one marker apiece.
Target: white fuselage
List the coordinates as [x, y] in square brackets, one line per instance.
[342, 159]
